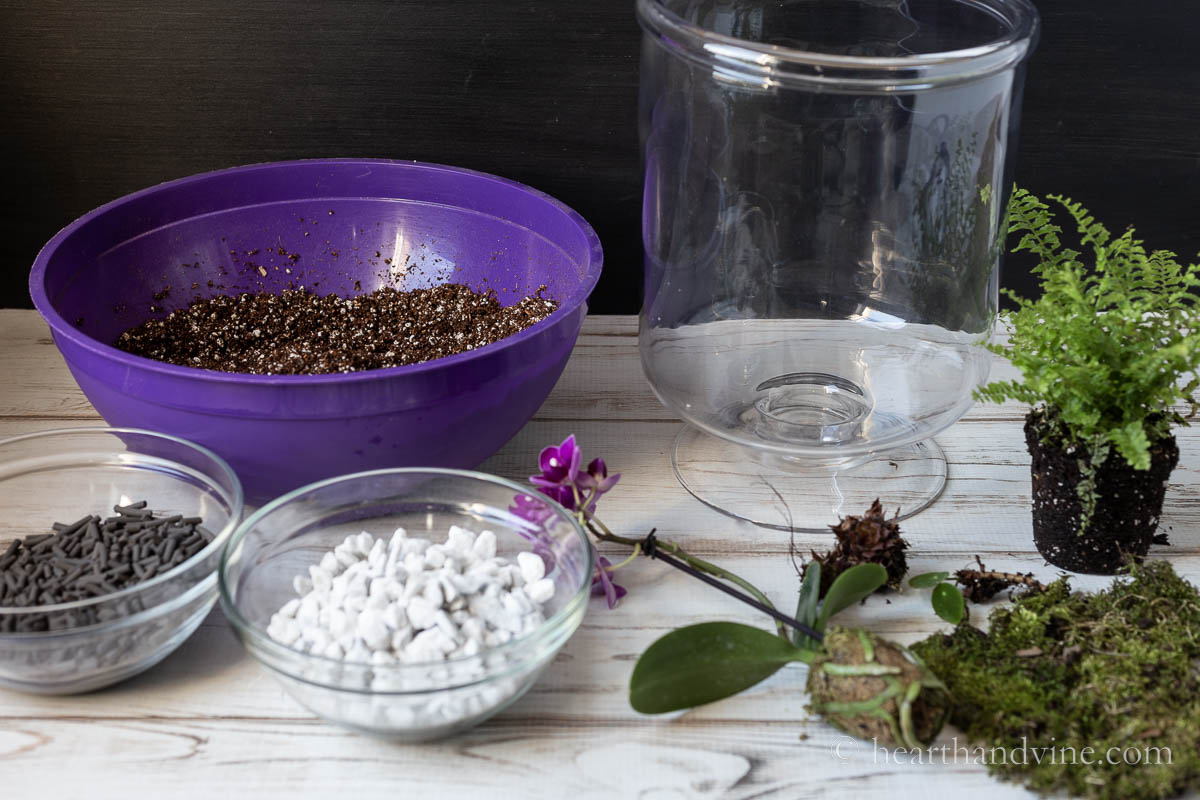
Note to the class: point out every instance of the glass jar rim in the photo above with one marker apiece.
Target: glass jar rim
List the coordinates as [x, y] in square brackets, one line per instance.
[768, 66]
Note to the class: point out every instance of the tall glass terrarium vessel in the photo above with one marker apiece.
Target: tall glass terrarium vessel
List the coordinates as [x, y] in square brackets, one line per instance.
[824, 182]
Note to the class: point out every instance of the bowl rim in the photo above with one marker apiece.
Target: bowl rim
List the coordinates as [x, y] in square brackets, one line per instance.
[117, 624]
[786, 66]
[59, 326]
[545, 630]
[237, 508]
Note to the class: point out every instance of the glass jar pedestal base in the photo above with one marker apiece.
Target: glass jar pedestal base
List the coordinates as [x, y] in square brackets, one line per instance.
[740, 483]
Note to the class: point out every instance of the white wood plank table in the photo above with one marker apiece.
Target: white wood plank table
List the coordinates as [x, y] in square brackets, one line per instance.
[209, 722]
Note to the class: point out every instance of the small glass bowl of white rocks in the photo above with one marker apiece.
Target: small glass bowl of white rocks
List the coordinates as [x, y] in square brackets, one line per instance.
[408, 603]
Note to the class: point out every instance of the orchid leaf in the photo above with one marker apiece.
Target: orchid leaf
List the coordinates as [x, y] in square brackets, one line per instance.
[948, 603]
[927, 580]
[701, 663]
[806, 608]
[850, 587]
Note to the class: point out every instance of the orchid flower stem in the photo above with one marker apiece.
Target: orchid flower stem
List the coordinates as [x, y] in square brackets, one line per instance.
[724, 574]
[561, 470]
[766, 608]
[602, 533]
[597, 529]
[637, 551]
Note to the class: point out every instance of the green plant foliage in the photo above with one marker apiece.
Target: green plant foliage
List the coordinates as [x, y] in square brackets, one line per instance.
[706, 662]
[852, 586]
[1110, 347]
[948, 603]
[1068, 680]
[806, 606]
[701, 663]
[927, 580]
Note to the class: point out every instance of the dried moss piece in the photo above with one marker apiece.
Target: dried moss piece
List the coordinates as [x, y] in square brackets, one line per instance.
[869, 539]
[981, 585]
[1060, 671]
[876, 690]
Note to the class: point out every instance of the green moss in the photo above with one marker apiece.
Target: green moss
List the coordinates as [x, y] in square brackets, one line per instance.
[1060, 672]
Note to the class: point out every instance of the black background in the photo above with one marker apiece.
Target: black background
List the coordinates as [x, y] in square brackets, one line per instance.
[102, 98]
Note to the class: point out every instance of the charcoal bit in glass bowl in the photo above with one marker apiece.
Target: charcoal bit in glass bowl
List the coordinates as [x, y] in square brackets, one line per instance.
[89, 558]
[93, 601]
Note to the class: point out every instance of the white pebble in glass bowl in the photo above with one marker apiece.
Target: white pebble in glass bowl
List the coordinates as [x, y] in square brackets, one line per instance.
[441, 620]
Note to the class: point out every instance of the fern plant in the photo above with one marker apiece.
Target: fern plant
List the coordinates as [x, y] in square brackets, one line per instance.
[1110, 349]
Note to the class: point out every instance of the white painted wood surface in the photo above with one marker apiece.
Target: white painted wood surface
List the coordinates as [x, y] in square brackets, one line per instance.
[209, 722]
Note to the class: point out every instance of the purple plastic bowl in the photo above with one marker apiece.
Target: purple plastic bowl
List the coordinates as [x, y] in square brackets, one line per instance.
[334, 226]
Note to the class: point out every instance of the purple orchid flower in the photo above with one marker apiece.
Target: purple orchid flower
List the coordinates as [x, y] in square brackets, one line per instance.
[530, 508]
[597, 477]
[595, 481]
[562, 476]
[603, 584]
[564, 495]
[560, 465]
[563, 480]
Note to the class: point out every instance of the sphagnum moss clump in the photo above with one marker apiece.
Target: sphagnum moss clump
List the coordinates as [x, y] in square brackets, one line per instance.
[875, 690]
[1060, 671]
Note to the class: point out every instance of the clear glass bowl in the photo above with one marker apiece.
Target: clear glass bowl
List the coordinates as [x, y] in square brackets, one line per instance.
[64, 475]
[414, 701]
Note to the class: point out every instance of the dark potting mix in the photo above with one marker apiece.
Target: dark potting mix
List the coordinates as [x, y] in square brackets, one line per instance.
[89, 558]
[300, 333]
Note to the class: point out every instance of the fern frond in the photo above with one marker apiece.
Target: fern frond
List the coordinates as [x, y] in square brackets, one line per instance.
[1111, 347]
[1090, 231]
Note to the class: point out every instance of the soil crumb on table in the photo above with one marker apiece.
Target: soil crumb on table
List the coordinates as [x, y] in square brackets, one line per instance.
[299, 333]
